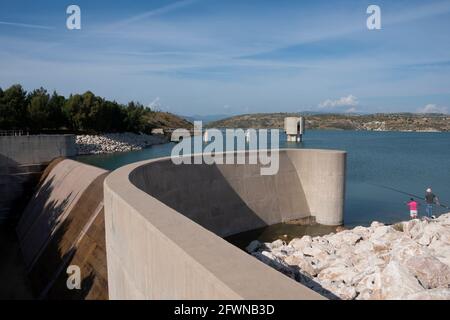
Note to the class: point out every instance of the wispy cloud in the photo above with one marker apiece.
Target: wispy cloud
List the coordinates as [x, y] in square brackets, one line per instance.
[432, 108]
[183, 49]
[157, 12]
[154, 104]
[24, 25]
[349, 101]
[422, 11]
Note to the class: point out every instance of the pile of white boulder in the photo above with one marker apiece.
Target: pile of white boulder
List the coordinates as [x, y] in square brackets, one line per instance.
[409, 260]
[116, 142]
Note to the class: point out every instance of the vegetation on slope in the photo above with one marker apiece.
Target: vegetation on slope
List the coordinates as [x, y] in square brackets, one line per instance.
[373, 122]
[39, 110]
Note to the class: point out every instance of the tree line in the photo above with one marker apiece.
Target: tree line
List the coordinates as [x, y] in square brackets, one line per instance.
[39, 110]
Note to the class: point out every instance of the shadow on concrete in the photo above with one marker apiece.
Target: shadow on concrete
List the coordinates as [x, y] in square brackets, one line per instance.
[295, 273]
[215, 197]
[34, 264]
[79, 239]
[15, 191]
[17, 183]
[219, 198]
[313, 285]
[14, 283]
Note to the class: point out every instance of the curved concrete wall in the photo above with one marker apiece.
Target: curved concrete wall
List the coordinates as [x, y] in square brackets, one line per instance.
[322, 174]
[164, 224]
[63, 224]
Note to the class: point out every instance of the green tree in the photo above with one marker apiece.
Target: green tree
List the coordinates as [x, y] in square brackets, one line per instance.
[72, 111]
[109, 116]
[136, 120]
[87, 112]
[38, 109]
[56, 117]
[13, 108]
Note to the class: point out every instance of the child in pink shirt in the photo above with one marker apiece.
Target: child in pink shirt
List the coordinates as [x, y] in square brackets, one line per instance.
[412, 204]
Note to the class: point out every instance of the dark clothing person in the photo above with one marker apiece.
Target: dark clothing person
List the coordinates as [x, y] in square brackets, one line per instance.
[430, 200]
[430, 197]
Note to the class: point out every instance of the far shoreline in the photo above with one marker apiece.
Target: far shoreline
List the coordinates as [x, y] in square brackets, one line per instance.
[111, 143]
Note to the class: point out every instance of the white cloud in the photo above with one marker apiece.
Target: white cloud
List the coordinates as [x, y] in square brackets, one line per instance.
[349, 101]
[351, 110]
[154, 104]
[157, 12]
[25, 25]
[432, 108]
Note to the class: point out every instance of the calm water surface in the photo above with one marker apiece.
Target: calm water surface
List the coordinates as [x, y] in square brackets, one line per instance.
[382, 168]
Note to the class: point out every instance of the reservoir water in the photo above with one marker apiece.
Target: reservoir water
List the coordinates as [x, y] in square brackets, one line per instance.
[382, 169]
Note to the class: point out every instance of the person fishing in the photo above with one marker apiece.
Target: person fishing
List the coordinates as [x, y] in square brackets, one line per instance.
[413, 211]
[430, 200]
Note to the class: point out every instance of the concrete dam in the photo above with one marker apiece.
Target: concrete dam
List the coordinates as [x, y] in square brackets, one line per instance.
[165, 222]
[154, 230]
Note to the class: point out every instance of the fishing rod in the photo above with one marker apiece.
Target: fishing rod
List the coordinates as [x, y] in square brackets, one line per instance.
[406, 193]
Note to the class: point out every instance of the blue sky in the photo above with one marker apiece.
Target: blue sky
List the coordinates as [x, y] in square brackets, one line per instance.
[231, 57]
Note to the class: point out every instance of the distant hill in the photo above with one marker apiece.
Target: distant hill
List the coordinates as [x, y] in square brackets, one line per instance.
[166, 120]
[205, 119]
[371, 122]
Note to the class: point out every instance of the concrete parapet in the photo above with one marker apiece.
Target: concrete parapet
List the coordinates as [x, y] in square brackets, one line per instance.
[22, 159]
[35, 149]
[165, 222]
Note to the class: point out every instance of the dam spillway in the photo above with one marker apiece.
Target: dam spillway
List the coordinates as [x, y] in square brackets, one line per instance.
[62, 225]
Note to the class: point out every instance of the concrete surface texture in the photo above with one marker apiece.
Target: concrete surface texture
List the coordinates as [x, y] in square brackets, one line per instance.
[164, 224]
[36, 149]
[63, 225]
[22, 160]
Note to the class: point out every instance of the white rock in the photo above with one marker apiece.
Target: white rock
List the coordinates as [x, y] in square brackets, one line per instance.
[370, 283]
[432, 294]
[410, 260]
[440, 250]
[275, 263]
[337, 274]
[345, 292]
[376, 224]
[350, 237]
[304, 264]
[276, 244]
[397, 282]
[431, 272]
[301, 243]
[295, 259]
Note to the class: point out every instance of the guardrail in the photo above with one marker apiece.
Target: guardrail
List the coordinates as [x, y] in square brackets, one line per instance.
[14, 133]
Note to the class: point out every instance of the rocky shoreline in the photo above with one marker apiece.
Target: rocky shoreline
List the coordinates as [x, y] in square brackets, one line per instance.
[116, 142]
[408, 260]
